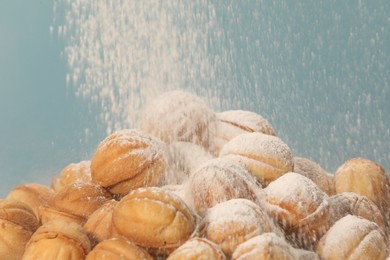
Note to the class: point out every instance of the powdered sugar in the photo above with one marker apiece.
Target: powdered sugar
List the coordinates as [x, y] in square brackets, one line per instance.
[183, 159]
[178, 116]
[122, 54]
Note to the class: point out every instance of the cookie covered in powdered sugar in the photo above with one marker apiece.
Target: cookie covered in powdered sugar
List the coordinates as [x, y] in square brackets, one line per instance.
[233, 222]
[367, 178]
[300, 208]
[353, 237]
[178, 116]
[266, 157]
[75, 202]
[350, 203]
[231, 123]
[220, 180]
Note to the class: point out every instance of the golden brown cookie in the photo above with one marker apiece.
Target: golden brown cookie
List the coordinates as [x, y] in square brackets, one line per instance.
[118, 249]
[128, 159]
[269, 246]
[34, 195]
[367, 178]
[74, 172]
[17, 223]
[99, 224]
[58, 239]
[198, 248]
[75, 202]
[154, 218]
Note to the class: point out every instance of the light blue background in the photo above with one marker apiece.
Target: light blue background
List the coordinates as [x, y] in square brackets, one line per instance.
[322, 67]
[40, 121]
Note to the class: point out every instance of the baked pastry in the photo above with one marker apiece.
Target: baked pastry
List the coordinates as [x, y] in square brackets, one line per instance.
[265, 156]
[75, 202]
[17, 223]
[219, 180]
[184, 158]
[178, 116]
[74, 172]
[232, 123]
[98, 227]
[154, 218]
[300, 208]
[233, 222]
[118, 249]
[269, 246]
[58, 239]
[353, 237]
[349, 203]
[198, 248]
[32, 194]
[368, 178]
[316, 173]
[128, 159]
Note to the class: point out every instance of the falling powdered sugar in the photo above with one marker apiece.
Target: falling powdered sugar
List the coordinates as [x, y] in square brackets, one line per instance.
[178, 116]
[183, 159]
[122, 54]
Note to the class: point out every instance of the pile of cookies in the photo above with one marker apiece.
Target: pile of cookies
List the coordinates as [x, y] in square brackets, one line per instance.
[191, 183]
